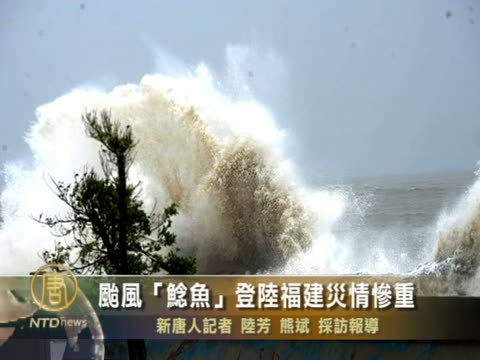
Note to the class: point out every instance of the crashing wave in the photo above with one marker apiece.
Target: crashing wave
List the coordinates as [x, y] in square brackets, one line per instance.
[221, 160]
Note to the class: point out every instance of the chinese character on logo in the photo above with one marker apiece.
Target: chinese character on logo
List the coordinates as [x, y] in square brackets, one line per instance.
[54, 289]
[57, 289]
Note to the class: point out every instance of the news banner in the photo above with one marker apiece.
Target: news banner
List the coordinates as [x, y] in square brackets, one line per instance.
[239, 307]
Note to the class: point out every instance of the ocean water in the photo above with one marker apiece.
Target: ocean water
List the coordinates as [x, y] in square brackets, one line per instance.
[389, 224]
[396, 216]
[393, 217]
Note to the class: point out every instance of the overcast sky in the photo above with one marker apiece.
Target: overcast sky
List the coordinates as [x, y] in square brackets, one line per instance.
[364, 87]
